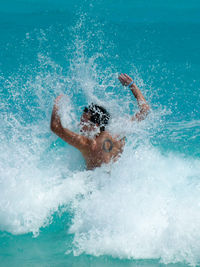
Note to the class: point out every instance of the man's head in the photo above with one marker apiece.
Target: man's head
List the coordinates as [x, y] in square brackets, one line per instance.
[94, 115]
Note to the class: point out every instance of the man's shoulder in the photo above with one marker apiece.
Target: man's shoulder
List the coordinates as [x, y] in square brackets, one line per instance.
[90, 144]
[104, 135]
[108, 136]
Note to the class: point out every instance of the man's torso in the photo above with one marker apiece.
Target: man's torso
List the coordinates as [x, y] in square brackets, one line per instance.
[103, 149]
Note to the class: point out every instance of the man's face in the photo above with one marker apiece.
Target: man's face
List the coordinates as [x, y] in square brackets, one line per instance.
[86, 125]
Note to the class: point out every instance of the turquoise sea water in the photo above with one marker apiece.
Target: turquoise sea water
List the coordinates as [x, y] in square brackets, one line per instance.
[146, 210]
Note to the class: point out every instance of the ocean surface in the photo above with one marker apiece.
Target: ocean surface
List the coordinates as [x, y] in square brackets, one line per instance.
[143, 210]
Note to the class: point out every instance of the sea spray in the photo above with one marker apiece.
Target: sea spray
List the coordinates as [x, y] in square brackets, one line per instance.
[144, 206]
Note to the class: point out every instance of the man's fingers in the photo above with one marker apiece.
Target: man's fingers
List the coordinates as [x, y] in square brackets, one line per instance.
[121, 80]
[123, 76]
[127, 76]
[120, 77]
[58, 98]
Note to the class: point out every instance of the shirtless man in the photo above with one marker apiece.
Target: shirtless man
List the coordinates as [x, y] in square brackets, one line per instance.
[103, 147]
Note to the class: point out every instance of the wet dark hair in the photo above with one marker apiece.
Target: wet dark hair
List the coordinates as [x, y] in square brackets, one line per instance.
[99, 115]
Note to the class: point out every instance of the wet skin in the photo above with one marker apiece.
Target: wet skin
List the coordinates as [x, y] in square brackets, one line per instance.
[104, 147]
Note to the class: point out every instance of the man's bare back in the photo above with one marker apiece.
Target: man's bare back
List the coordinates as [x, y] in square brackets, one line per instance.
[102, 147]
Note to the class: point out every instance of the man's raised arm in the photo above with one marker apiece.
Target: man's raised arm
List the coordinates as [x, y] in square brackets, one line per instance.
[76, 140]
[142, 104]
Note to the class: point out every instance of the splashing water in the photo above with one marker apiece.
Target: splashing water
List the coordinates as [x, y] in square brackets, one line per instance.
[145, 206]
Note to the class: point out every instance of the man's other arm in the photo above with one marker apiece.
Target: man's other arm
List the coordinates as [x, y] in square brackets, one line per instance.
[78, 141]
[142, 104]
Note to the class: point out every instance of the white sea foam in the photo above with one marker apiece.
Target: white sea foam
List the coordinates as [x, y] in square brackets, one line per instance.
[148, 207]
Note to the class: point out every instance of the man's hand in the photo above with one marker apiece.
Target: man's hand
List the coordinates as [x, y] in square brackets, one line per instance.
[58, 99]
[125, 79]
